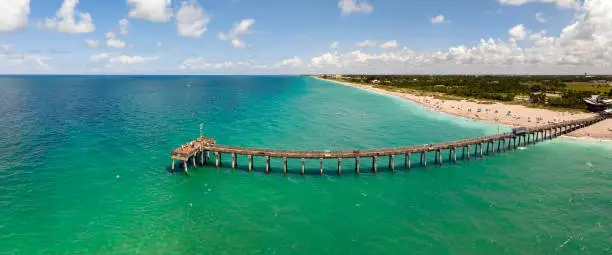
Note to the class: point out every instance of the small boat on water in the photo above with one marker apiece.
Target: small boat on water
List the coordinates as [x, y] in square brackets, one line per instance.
[597, 103]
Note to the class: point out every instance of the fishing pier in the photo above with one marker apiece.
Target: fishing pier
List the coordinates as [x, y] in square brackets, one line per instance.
[204, 149]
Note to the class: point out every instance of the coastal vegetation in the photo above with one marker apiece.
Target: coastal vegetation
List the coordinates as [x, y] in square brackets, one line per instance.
[544, 91]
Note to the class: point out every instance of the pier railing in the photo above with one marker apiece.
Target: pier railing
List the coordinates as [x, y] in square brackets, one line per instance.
[205, 146]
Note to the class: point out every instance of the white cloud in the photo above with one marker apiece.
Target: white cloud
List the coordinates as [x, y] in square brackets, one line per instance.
[366, 43]
[66, 20]
[293, 62]
[14, 14]
[355, 6]
[585, 45]
[540, 17]
[438, 19]
[518, 32]
[201, 63]
[334, 45]
[128, 60]
[238, 30]
[92, 43]
[123, 26]
[113, 42]
[98, 57]
[191, 20]
[389, 45]
[559, 3]
[151, 10]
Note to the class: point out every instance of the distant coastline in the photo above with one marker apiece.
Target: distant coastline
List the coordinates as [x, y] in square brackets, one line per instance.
[494, 112]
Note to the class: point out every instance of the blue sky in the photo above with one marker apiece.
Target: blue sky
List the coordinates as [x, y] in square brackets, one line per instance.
[279, 36]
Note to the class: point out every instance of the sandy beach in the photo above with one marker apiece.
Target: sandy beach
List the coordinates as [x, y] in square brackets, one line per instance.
[498, 113]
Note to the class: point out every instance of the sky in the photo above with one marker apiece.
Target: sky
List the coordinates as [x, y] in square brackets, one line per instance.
[305, 36]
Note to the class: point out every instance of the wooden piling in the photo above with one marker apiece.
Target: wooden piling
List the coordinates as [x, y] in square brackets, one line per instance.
[250, 163]
[303, 167]
[321, 165]
[455, 155]
[425, 159]
[216, 159]
[193, 162]
[339, 166]
[285, 165]
[357, 164]
[233, 160]
[409, 158]
[267, 164]
[172, 171]
[185, 166]
[480, 149]
[440, 156]
[392, 162]
[201, 157]
[374, 164]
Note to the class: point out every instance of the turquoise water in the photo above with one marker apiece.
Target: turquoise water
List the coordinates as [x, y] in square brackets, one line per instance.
[84, 170]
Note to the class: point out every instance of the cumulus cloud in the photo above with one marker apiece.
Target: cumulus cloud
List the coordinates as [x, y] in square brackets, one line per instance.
[366, 43]
[12, 61]
[237, 31]
[123, 26]
[389, 45]
[559, 3]
[585, 45]
[355, 6]
[113, 42]
[151, 10]
[293, 62]
[68, 20]
[201, 63]
[334, 45]
[518, 32]
[437, 20]
[540, 17]
[191, 20]
[129, 60]
[92, 43]
[98, 57]
[14, 14]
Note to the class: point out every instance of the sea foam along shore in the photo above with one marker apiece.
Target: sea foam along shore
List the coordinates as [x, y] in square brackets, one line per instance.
[496, 112]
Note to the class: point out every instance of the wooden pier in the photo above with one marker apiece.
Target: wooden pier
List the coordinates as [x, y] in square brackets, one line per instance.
[203, 148]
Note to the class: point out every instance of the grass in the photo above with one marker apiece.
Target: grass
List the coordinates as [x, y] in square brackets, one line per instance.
[590, 87]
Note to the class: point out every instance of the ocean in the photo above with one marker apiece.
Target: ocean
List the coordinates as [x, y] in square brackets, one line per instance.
[84, 169]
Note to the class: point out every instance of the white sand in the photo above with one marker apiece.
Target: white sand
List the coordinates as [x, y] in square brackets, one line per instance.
[498, 113]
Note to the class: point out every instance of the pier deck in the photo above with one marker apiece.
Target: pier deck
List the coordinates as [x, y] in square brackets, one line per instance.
[206, 145]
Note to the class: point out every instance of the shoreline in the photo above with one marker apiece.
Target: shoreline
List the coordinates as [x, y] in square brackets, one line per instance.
[495, 112]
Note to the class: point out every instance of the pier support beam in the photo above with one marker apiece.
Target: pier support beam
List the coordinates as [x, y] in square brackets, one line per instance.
[201, 158]
[455, 155]
[374, 164]
[440, 156]
[185, 166]
[172, 171]
[357, 165]
[285, 165]
[339, 166]
[321, 165]
[193, 162]
[220, 159]
[408, 157]
[480, 149]
[468, 152]
[233, 160]
[425, 159]
[250, 163]
[303, 167]
[267, 164]
[217, 159]
[392, 163]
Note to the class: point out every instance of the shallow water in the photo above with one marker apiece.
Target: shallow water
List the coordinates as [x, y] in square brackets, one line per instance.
[85, 160]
